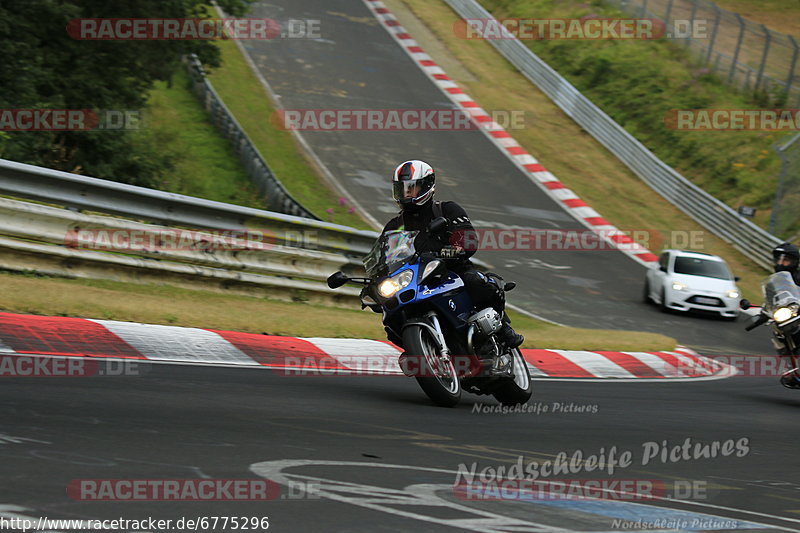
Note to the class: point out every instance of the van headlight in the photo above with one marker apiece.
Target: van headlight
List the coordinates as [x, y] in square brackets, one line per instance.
[782, 314]
[732, 294]
[677, 286]
[389, 287]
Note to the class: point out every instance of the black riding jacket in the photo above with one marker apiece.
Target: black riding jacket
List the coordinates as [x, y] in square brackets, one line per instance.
[459, 232]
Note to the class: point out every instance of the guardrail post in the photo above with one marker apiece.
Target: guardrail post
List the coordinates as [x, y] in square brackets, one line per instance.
[790, 78]
[691, 21]
[768, 38]
[713, 33]
[735, 59]
[667, 31]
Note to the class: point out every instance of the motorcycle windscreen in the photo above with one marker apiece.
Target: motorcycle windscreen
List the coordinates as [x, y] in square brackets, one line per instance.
[779, 291]
[389, 252]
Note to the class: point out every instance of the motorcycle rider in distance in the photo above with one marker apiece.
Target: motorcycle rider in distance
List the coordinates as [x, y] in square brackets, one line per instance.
[413, 186]
[786, 258]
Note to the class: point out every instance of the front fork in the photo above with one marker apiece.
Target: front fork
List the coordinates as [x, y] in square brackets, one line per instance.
[445, 351]
[790, 378]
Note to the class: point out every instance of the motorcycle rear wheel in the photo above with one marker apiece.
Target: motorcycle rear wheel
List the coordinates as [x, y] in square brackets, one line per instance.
[516, 391]
[437, 377]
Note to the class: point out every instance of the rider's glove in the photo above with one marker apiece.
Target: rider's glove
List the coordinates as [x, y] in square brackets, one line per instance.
[450, 252]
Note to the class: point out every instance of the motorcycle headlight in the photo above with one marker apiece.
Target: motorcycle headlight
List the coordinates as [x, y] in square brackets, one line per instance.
[733, 294]
[429, 268]
[388, 287]
[782, 314]
[677, 286]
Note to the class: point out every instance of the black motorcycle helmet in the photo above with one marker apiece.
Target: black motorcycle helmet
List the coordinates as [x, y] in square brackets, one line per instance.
[786, 257]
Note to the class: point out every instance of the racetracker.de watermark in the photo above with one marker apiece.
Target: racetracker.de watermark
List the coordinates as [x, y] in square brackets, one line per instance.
[69, 119]
[572, 29]
[170, 240]
[27, 366]
[586, 28]
[397, 119]
[182, 29]
[733, 119]
[580, 489]
[371, 365]
[752, 366]
[535, 239]
[173, 489]
[561, 489]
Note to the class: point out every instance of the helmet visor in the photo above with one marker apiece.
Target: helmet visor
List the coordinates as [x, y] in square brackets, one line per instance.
[786, 260]
[406, 190]
[411, 190]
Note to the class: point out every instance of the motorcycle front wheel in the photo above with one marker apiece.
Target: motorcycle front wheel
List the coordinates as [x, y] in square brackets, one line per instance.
[518, 390]
[436, 374]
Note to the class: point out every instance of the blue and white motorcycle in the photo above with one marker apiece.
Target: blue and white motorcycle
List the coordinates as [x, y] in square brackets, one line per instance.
[449, 345]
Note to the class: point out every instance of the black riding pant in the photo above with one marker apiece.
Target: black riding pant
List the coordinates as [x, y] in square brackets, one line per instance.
[484, 289]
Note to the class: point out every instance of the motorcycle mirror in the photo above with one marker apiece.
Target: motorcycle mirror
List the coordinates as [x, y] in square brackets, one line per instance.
[755, 321]
[337, 279]
[744, 304]
[437, 225]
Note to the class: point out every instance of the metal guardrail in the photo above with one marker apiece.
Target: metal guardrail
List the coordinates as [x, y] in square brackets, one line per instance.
[277, 197]
[65, 242]
[749, 239]
[76, 192]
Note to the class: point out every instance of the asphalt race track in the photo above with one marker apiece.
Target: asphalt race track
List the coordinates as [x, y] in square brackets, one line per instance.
[357, 65]
[178, 422]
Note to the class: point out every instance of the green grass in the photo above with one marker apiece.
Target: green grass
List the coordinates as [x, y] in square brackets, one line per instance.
[248, 101]
[204, 162]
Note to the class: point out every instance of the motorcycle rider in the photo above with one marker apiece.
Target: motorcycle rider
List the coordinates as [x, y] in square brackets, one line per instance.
[786, 258]
[413, 186]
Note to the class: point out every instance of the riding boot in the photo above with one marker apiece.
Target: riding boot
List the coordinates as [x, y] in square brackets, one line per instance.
[510, 338]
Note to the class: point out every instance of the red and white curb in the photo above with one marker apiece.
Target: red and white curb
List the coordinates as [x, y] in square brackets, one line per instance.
[109, 339]
[510, 147]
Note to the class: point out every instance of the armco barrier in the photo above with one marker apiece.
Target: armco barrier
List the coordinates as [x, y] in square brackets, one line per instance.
[174, 210]
[298, 255]
[61, 242]
[712, 214]
[81, 232]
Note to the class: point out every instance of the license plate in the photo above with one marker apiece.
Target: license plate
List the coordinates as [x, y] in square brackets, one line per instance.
[706, 301]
